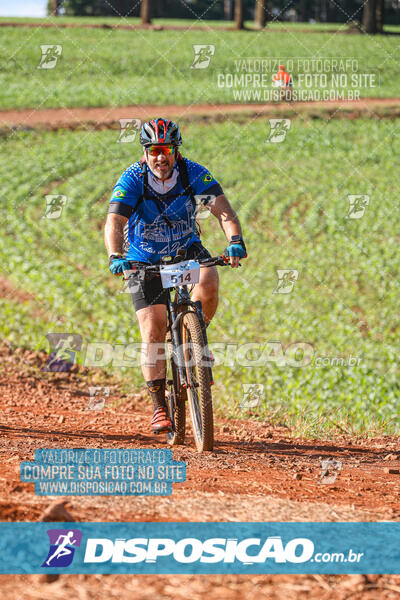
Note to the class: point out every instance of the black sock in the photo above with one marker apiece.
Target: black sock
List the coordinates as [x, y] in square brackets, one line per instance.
[156, 388]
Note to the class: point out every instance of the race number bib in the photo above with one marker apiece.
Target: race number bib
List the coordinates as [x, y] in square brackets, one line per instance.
[184, 273]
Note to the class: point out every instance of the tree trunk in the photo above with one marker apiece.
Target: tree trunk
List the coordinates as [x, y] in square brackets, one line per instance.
[380, 15]
[260, 14]
[332, 10]
[303, 11]
[54, 10]
[323, 14]
[239, 22]
[145, 12]
[369, 17]
[228, 10]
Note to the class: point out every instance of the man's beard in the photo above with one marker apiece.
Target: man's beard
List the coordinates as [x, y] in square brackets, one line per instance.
[164, 174]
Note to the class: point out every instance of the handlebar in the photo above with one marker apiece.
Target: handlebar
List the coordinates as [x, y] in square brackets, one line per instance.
[217, 261]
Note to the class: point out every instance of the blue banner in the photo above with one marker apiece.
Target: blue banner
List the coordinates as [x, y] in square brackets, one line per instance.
[209, 548]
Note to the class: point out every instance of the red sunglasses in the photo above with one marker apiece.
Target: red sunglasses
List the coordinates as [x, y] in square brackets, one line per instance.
[156, 150]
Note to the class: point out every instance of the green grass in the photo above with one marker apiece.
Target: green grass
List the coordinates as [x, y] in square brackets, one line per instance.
[283, 25]
[292, 201]
[113, 67]
[116, 21]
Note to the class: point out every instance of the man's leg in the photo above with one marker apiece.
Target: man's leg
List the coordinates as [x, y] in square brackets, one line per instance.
[207, 291]
[153, 328]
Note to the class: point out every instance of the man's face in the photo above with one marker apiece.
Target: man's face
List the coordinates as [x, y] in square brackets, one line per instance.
[160, 163]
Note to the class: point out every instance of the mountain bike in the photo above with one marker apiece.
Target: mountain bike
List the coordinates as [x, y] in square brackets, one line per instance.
[189, 367]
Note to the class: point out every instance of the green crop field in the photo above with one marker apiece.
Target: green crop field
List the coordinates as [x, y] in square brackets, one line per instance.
[106, 67]
[292, 198]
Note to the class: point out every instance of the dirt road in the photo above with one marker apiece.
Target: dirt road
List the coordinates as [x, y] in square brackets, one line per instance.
[256, 473]
[102, 117]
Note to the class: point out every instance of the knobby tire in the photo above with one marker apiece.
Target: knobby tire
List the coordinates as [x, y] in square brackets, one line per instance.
[200, 397]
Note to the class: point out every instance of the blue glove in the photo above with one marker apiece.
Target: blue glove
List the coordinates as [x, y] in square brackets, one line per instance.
[118, 264]
[236, 250]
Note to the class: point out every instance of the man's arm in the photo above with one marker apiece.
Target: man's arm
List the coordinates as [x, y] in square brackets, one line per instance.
[114, 233]
[226, 216]
[228, 220]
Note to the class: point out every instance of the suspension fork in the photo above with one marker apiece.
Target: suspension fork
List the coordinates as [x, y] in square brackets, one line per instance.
[174, 321]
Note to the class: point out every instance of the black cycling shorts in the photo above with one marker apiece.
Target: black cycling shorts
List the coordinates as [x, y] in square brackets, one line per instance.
[149, 291]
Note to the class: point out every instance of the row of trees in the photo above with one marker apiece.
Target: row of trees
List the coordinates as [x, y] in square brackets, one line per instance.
[370, 13]
[239, 8]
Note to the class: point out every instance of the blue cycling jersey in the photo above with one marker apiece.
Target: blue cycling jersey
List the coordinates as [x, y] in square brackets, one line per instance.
[150, 237]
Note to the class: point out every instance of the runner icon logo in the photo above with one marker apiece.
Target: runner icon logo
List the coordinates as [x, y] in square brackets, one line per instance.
[204, 202]
[63, 348]
[62, 547]
[286, 280]
[54, 206]
[202, 55]
[129, 130]
[279, 129]
[98, 395]
[330, 470]
[50, 55]
[253, 395]
[357, 206]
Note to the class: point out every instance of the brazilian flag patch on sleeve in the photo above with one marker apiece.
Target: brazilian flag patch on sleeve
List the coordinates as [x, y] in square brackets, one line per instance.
[207, 178]
[119, 194]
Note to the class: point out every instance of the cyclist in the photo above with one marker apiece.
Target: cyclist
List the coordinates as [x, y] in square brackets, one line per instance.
[153, 208]
[283, 80]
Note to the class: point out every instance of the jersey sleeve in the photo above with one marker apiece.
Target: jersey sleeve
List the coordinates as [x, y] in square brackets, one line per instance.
[126, 192]
[202, 182]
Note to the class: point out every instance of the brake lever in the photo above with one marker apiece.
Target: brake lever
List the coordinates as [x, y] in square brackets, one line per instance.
[227, 260]
[130, 273]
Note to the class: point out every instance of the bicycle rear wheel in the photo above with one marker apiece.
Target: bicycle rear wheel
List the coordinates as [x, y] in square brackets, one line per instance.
[199, 390]
[176, 402]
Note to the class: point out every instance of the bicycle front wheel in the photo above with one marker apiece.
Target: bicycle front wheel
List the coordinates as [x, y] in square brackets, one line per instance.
[199, 389]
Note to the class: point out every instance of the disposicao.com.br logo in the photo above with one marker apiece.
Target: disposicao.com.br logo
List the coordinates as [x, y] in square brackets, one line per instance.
[62, 547]
[193, 547]
[187, 554]
[247, 551]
